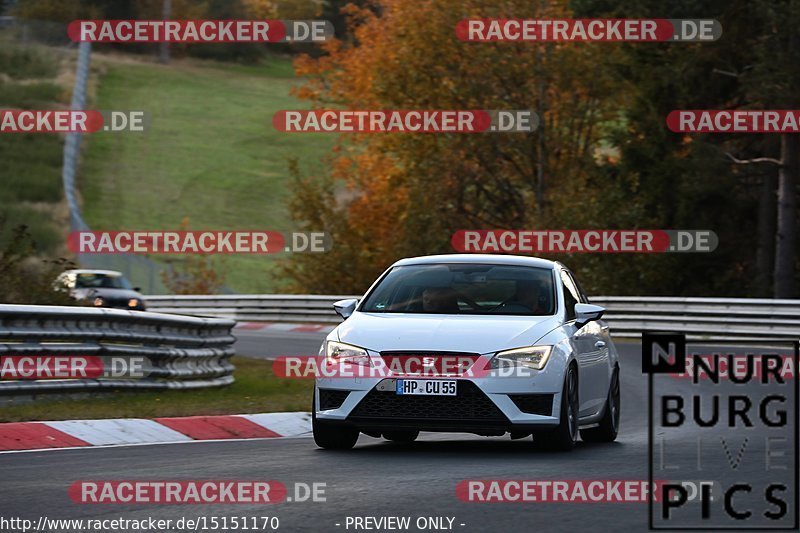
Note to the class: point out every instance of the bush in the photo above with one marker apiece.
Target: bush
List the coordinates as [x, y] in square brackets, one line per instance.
[195, 274]
[43, 231]
[26, 278]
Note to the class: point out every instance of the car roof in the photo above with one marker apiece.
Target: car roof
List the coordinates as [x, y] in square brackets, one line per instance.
[491, 259]
[93, 271]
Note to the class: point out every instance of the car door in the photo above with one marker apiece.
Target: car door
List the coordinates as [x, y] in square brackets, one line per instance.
[602, 341]
[591, 351]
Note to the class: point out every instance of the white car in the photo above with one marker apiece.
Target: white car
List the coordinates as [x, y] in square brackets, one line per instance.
[497, 344]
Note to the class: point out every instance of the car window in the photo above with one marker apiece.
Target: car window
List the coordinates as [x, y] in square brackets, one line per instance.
[571, 295]
[100, 281]
[463, 288]
[583, 298]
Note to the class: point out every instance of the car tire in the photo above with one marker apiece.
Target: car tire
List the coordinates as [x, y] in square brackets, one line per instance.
[331, 435]
[608, 428]
[400, 435]
[565, 435]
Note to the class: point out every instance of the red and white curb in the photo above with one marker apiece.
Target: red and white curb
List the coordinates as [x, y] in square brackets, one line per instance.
[17, 436]
[285, 326]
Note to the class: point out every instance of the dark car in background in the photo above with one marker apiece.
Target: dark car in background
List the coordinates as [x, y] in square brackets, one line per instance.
[101, 288]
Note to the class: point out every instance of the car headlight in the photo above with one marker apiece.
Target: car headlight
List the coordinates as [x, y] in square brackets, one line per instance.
[98, 302]
[133, 302]
[339, 352]
[532, 357]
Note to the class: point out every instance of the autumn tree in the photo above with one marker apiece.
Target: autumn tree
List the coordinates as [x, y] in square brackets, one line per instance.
[603, 157]
[394, 195]
[712, 180]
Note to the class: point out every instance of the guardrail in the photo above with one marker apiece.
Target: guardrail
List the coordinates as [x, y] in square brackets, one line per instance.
[167, 351]
[628, 316]
[253, 307]
[704, 318]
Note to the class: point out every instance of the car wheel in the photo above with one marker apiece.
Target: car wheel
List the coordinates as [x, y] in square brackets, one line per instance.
[401, 435]
[331, 435]
[609, 424]
[565, 435]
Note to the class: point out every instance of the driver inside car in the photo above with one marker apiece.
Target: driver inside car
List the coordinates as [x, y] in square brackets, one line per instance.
[528, 295]
[439, 300]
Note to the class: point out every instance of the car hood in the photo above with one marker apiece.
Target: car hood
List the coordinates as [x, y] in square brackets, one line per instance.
[456, 333]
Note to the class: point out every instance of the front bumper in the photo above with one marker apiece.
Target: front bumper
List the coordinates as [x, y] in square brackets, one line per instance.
[124, 306]
[487, 405]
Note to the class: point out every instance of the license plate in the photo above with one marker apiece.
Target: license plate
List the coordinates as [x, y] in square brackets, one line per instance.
[426, 387]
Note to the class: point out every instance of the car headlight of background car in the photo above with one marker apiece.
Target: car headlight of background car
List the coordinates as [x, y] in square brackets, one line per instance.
[339, 352]
[532, 357]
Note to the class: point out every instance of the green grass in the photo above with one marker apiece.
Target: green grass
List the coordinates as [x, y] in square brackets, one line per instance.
[256, 390]
[210, 153]
[31, 168]
[30, 164]
[37, 95]
[28, 62]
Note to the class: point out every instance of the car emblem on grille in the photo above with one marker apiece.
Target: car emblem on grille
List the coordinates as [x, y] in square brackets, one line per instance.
[428, 361]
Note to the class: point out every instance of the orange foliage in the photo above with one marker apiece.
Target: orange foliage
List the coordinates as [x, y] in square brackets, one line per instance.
[404, 194]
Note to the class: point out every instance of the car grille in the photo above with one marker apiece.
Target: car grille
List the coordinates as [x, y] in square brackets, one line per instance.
[442, 363]
[535, 404]
[331, 398]
[469, 403]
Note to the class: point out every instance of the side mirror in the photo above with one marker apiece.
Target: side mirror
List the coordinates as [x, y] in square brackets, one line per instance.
[585, 313]
[137, 289]
[345, 308]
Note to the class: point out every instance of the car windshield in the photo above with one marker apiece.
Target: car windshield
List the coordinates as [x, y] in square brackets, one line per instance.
[464, 289]
[101, 281]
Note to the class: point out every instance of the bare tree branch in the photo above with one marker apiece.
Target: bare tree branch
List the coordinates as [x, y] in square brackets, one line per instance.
[755, 160]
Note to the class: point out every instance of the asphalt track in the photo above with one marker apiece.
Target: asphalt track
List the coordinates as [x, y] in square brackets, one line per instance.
[379, 478]
[267, 344]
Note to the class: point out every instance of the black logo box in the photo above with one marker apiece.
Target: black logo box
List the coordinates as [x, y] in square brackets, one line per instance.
[675, 344]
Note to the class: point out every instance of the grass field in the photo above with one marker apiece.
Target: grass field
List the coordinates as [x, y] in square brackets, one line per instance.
[210, 153]
[30, 164]
[256, 390]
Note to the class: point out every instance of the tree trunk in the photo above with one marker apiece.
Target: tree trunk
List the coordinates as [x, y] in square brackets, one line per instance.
[163, 48]
[785, 244]
[767, 227]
